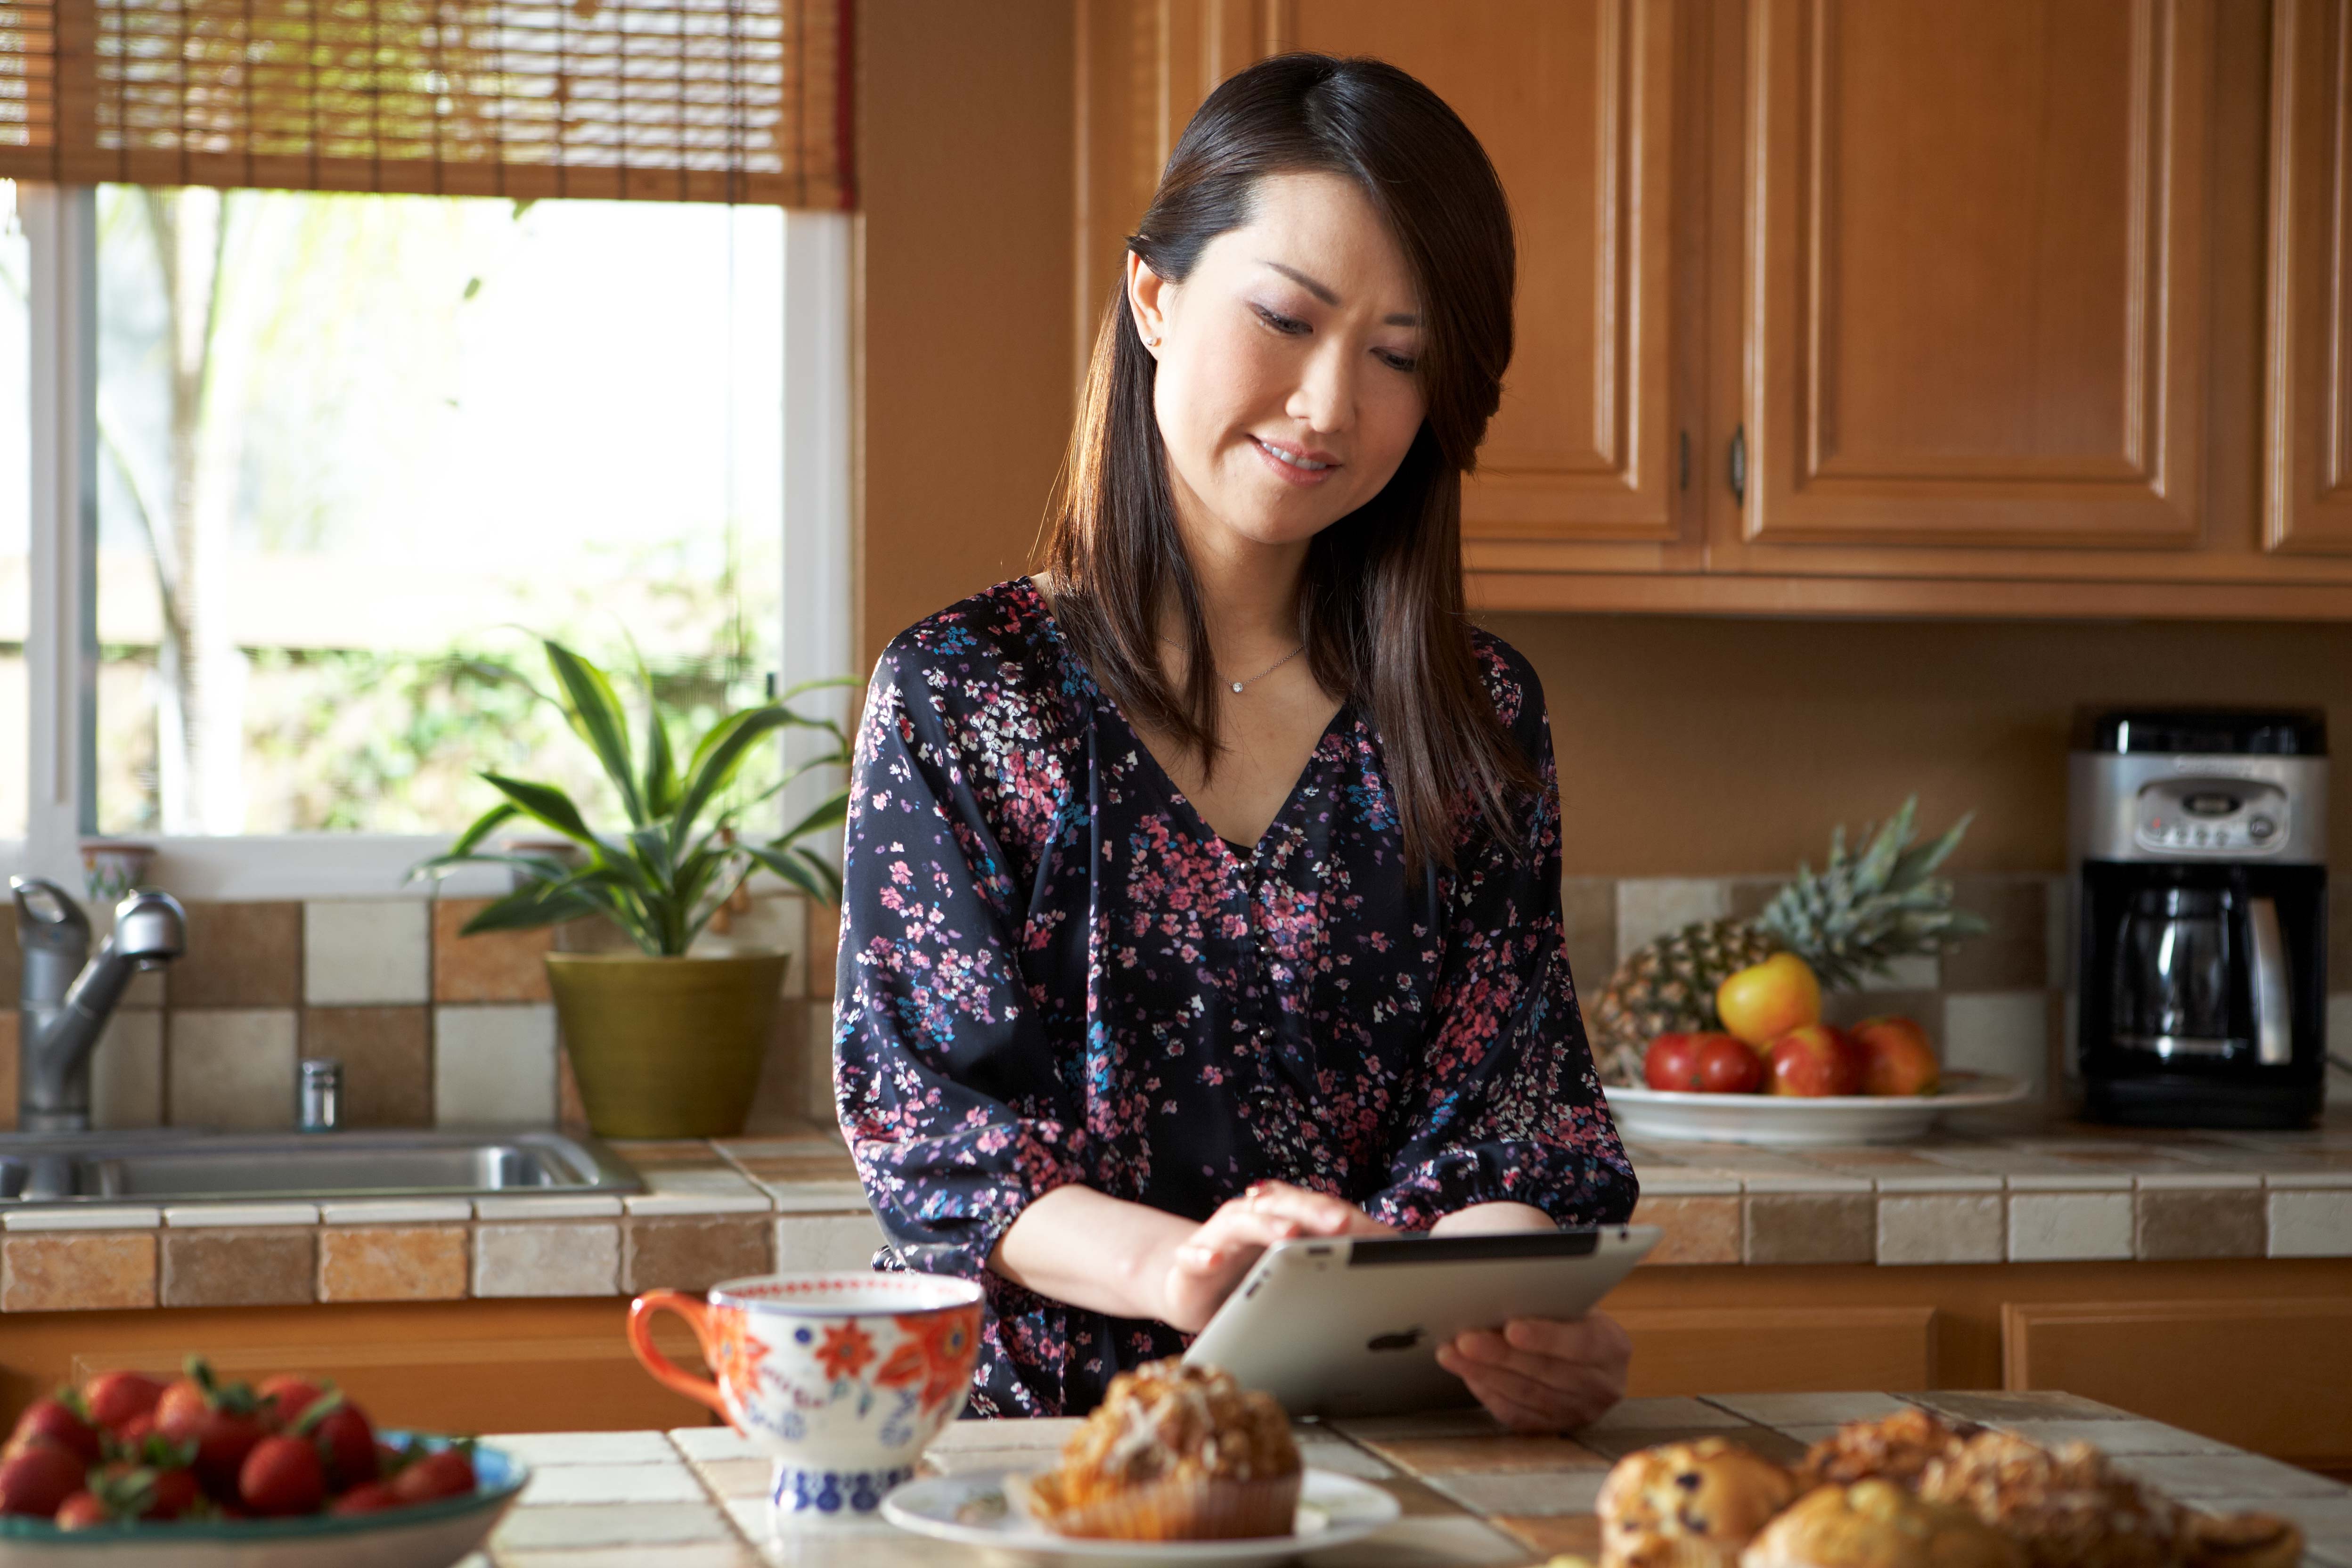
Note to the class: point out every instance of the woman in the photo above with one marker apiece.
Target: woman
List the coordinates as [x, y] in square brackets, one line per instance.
[1203, 890]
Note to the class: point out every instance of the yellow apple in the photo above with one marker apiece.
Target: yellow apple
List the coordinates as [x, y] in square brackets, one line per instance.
[1764, 1001]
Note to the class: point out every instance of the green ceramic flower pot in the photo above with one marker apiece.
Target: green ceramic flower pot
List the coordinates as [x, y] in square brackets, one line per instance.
[666, 1048]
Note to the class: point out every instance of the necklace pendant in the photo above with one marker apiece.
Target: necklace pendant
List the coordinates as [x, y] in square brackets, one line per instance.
[1237, 686]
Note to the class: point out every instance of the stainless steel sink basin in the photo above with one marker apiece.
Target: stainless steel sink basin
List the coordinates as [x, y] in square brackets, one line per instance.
[169, 1165]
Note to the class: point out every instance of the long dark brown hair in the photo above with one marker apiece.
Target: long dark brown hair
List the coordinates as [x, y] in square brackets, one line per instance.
[1380, 606]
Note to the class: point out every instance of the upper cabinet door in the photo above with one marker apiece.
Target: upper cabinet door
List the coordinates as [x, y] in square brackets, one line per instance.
[2307, 426]
[1975, 261]
[1573, 101]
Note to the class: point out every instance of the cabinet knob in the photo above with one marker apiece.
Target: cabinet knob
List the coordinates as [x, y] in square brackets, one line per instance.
[1736, 467]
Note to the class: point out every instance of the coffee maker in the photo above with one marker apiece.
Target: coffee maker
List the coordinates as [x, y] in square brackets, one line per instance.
[2198, 843]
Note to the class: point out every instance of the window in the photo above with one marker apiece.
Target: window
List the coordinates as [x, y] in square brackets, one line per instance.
[16, 501]
[352, 445]
[355, 346]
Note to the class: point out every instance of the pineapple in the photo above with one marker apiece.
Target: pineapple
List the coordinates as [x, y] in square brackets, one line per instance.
[1860, 913]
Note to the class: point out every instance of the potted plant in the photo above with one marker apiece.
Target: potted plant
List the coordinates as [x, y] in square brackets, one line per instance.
[665, 1045]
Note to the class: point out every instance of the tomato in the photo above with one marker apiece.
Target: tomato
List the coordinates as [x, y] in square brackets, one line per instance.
[1728, 1065]
[1672, 1062]
[37, 1475]
[116, 1397]
[51, 1419]
[281, 1477]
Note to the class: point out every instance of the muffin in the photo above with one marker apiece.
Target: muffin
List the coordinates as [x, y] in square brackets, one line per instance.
[2066, 1508]
[1174, 1453]
[1892, 1448]
[1688, 1505]
[1877, 1524]
[2239, 1541]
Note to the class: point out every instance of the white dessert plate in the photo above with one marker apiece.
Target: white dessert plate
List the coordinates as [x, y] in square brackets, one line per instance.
[971, 1509]
[1666, 1115]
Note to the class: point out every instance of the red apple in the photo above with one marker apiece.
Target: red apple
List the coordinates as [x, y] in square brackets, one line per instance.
[1896, 1056]
[1672, 1062]
[1728, 1064]
[1815, 1061]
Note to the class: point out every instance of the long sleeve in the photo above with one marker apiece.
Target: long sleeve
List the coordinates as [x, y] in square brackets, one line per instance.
[944, 1082]
[1506, 1106]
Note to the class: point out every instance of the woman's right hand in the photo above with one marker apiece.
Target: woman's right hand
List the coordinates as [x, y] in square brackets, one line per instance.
[1203, 1268]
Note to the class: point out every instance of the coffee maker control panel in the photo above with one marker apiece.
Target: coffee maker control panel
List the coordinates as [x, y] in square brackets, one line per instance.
[2212, 816]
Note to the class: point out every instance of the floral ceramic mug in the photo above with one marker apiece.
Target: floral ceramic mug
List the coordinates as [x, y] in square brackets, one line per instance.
[843, 1378]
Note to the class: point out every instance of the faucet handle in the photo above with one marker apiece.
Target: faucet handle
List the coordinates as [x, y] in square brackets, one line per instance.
[48, 919]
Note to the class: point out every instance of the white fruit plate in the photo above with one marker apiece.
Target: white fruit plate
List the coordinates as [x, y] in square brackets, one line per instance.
[1666, 1115]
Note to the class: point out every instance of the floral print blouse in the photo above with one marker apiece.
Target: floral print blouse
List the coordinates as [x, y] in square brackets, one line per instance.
[1052, 970]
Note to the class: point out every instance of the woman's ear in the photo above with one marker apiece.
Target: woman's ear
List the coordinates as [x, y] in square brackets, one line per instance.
[1146, 295]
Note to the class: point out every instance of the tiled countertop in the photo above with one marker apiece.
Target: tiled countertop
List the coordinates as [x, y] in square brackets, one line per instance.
[2035, 1192]
[714, 1211]
[711, 1211]
[1472, 1494]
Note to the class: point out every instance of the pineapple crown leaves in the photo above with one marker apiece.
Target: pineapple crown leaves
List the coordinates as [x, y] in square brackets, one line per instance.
[1863, 911]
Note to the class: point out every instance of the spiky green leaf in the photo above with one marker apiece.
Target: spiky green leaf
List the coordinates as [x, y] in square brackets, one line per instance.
[531, 905]
[547, 805]
[594, 710]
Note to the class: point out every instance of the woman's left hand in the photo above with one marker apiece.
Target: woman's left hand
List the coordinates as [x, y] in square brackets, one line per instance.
[1542, 1374]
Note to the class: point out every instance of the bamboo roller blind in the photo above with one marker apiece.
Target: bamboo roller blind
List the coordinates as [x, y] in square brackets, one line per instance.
[732, 101]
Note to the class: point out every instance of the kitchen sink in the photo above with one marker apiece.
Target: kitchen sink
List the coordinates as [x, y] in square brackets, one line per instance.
[173, 1166]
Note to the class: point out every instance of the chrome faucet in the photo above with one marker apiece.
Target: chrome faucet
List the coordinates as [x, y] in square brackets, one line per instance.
[65, 1003]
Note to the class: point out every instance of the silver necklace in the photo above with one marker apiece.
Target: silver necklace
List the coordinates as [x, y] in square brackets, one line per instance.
[1270, 668]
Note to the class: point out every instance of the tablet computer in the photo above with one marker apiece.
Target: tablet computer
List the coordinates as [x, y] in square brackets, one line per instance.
[1350, 1325]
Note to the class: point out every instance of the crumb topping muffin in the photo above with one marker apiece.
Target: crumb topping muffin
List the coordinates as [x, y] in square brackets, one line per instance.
[1174, 1453]
[1897, 1447]
[2066, 1507]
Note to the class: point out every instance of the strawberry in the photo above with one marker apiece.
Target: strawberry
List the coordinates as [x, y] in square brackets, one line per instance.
[285, 1396]
[224, 1442]
[145, 1491]
[282, 1476]
[445, 1472]
[346, 1442]
[135, 1431]
[221, 1422]
[37, 1475]
[56, 1419]
[83, 1510]
[115, 1398]
[368, 1497]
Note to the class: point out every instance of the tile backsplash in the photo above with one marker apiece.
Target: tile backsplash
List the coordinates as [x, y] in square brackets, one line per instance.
[435, 1028]
[1996, 1003]
[432, 1027]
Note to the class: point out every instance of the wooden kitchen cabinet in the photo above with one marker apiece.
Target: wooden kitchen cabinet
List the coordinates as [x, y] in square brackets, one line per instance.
[2006, 307]
[1975, 251]
[2307, 423]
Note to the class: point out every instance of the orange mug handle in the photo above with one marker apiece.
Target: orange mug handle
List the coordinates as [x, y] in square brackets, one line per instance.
[666, 1371]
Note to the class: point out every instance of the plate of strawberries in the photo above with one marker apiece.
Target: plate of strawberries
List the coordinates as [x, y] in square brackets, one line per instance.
[287, 1473]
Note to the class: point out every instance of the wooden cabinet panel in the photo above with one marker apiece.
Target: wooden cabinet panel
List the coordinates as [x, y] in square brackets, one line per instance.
[439, 1366]
[2307, 424]
[1777, 1349]
[2231, 1369]
[1976, 246]
[1574, 101]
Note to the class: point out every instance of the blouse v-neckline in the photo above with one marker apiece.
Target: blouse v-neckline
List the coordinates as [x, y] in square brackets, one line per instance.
[1242, 855]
